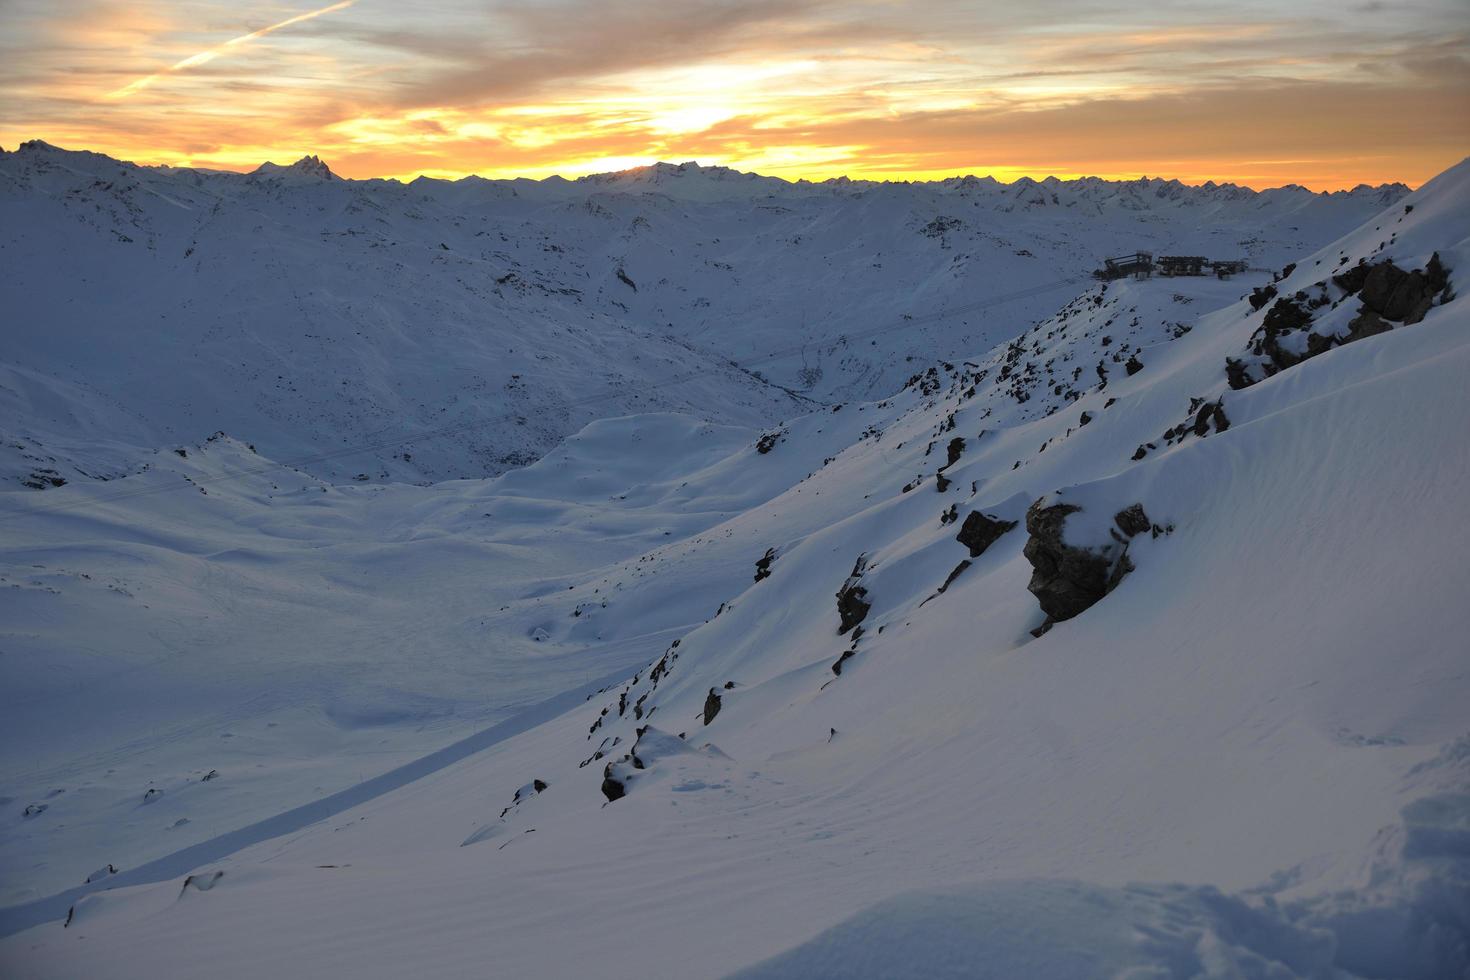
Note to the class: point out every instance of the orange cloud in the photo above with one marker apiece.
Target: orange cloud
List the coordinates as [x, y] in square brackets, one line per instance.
[805, 88]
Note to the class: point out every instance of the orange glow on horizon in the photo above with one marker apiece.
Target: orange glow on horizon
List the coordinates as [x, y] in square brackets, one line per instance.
[817, 91]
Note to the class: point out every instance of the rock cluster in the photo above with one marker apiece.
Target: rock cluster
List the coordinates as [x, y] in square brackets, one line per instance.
[1387, 296]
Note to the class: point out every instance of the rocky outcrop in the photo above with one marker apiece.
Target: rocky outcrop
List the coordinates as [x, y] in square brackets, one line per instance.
[980, 531]
[1285, 318]
[1210, 414]
[1387, 295]
[1068, 579]
[712, 703]
[1064, 579]
[852, 598]
[1390, 293]
[763, 564]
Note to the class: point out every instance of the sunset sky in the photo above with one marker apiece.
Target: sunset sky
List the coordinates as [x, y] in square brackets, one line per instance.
[1326, 94]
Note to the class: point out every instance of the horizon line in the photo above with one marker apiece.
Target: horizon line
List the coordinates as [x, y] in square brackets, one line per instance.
[406, 179]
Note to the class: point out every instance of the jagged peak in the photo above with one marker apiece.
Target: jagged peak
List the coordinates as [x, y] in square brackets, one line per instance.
[308, 166]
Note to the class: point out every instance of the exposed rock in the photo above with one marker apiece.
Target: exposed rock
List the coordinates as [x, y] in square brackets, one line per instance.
[1387, 295]
[1132, 520]
[979, 532]
[954, 450]
[1262, 295]
[611, 788]
[1237, 374]
[852, 603]
[1284, 318]
[1064, 579]
[1212, 412]
[711, 706]
[1365, 324]
[1402, 296]
[1352, 280]
[1133, 365]
[958, 570]
[763, 564]
[1068, 579]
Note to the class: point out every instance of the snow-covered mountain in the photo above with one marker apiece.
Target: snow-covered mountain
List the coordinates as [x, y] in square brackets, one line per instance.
[436, 330]
[1131, 641]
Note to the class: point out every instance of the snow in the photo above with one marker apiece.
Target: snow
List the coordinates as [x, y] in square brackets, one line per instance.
[440, 330]
[1247, 759]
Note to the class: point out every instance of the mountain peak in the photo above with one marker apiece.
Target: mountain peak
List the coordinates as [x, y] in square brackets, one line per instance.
[308, 166]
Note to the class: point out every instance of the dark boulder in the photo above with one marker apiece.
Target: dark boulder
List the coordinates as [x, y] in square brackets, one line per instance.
[763, 564]
[1262, 295]
[1402, 296]
[612, 788]
[979, 532]
[1065, 580]
[1068, 579]
[1352, 280]
[1132, 520]
[712, 702]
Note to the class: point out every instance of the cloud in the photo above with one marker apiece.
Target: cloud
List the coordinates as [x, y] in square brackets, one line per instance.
[209, 54]
[799, 88]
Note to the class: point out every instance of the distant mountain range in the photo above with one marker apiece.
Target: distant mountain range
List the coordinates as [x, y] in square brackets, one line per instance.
[388, 331]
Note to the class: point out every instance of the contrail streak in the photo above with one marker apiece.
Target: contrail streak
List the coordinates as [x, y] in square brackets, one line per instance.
[202, 57]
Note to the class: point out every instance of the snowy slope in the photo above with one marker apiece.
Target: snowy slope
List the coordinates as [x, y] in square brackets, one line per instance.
[436, 330]
[1267, 704]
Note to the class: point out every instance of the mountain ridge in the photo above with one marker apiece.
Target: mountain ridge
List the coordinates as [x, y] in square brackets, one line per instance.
[307, 313]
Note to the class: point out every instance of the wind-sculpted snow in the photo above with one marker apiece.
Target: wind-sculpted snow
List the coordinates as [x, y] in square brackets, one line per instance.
[433, 330]
[1260, 719]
